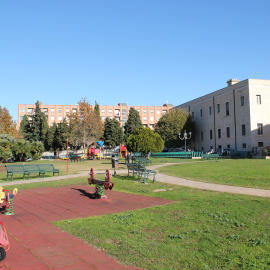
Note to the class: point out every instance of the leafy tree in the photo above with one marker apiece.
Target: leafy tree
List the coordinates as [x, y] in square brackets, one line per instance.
[173, 122]
[85, 124]
[7, 125]
[21, 150]
[5, 147]
[96, 109]
[113, 133]
[133, 122]
[145, 140]
[25, 128]
[36, 149]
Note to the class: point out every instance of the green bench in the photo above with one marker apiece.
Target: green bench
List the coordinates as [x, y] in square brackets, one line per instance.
[16, 169]
[210, 156]
[48, 168]
[76, 158]
[141, 160]
[139, 169]
[28, 169]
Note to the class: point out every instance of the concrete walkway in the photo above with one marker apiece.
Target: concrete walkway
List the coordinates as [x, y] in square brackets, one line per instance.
[164, 179]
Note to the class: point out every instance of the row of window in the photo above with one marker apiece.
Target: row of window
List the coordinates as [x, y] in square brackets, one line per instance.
[124, 111]
[244, 146]
[227, 106]
[124, 118]
[228, 131]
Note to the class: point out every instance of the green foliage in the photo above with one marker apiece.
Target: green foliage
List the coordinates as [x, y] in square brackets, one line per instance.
[25, 129]
[5, 147]
[50, 137]
[21, 150]
[96, 109]
[113, 133]
[7, 125]
[133, 122]
[44, 128]
[145, 140]
[36, 149]
[173, 122]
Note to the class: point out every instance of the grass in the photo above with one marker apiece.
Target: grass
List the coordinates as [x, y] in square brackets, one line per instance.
[251, 173]
[203, 229]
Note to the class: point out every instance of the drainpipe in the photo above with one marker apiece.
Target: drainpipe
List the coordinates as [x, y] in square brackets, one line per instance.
[214, 111]
[235, 138]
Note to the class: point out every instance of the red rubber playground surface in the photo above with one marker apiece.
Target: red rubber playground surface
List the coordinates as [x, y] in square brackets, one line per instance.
[36, 244]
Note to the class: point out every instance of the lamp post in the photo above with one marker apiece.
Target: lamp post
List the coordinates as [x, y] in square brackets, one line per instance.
[67, 156]
[185, 138]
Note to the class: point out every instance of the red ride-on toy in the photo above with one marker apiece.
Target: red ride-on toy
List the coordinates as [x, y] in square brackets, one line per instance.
[4, 243]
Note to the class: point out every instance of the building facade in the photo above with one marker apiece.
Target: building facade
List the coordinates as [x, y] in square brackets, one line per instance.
[56, 113]
[235, 117]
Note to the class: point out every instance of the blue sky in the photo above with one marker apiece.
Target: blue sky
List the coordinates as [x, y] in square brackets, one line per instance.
[141, 52]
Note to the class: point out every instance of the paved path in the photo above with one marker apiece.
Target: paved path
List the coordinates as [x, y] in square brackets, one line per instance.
[36, 244]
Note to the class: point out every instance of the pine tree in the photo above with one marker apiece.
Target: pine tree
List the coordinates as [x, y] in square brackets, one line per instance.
[113, 133]
[44, 128]
[133, 122]
[25, 128]
[50, 138]
[96, 109]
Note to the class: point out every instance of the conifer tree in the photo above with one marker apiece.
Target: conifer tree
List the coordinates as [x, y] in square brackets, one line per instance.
[97, 109]
[113, 133]
[25, 128]
[50, 138]
[133, 122]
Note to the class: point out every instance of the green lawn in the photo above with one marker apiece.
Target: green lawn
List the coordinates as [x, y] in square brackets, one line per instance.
[254, 173]
[201, 230]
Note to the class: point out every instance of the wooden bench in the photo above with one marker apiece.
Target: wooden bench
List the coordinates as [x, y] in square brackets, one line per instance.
[211, 156]
[16, 169]
[48, 168]
[139, 169]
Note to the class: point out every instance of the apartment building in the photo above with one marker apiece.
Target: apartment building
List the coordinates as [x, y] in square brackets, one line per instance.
[150, 115]
[236, 116]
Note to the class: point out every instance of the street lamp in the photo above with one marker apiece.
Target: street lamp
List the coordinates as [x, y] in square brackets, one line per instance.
[185, 138]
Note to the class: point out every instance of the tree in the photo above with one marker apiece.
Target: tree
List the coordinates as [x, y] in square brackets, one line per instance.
[36, 149]
[44, 128]
[173, 122]
[21, 150]
[113, 133]
[50, 138]
[5, 147]
[145, 140]
[7, 125]
[133, 122]
[96, 109]
[25, 128]
[85, 124]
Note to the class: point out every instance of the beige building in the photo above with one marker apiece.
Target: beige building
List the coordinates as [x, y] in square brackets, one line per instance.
[56, 113]
[236, 116]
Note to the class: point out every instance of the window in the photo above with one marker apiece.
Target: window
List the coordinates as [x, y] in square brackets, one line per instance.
[243, 130]
[22, 110]
[30, 111]
[145, 125]
[138, 110]
[219, 133]
[228, 133]
[110, 117]
[244, 145]
[242, 100]
[200, 112]
[158, 118]
[158, 111]
[52, 110]
[202, 148]
[60, 118]
[74, 110]
[260, 144]
[21, 118]
[116, 112]
[144, 118]
[164, 112]
[228, 146]
[219, 147]
[59, 110]
[210, 110]
[144, 112]
[52, 117]
[211, 147]
[124, 119]
[51, 124]
[211, 134]
[124, 112]
[227, 108]
[103, 118]
[152, 118]
[202, 135]
[260, 129]
[110, 110]
[192, 115]
[67, 110]
[151, 111]
[218, 108]
[103, 111]
[151, 126]
[258, 99]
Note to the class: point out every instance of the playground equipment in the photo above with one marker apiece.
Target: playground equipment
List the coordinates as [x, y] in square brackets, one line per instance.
[4, 243]
[101, 185]
[8, 199]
